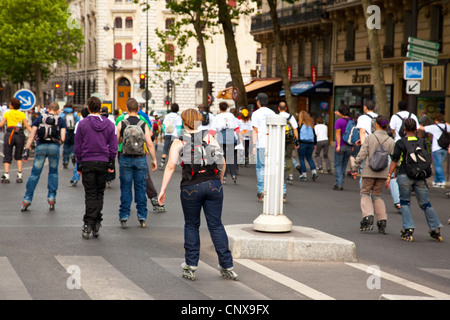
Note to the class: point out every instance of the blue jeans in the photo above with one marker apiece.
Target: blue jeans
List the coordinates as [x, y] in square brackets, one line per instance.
[340, 163]
[405, 186]
[133, 171]
[209, 196]
[260, 165]
[305, 150]
[44, 151]
[438, 158]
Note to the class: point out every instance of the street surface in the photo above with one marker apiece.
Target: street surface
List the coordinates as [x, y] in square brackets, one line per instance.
[43, 256]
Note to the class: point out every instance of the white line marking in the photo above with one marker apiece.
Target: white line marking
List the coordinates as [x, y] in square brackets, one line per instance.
[286, 281]
[404, 282]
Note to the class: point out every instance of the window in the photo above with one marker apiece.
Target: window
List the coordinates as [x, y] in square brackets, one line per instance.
[199, 57]
[118, 51]
[129, 23]
[388, 49]
[118, 23]
[169, 23]
[301, 57]
[349, 54]
[129, 51]
[436, 30]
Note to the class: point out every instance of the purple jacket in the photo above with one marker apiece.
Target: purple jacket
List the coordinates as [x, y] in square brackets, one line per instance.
[95, 139]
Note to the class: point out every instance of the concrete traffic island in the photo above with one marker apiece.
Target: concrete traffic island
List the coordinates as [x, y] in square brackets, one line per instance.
[300, 244]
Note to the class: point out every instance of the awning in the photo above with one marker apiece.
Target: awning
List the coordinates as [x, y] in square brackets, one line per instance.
[307, 87]
[254, 85]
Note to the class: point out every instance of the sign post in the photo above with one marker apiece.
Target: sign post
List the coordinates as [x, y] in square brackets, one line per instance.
[426, 51]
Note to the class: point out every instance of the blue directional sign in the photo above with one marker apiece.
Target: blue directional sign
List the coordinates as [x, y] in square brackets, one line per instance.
[27, 99]
[413, 70]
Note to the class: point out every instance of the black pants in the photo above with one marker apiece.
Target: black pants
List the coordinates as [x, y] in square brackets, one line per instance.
[230, 155]
[94, 175]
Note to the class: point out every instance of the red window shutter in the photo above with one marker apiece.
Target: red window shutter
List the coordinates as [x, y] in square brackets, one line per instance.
[128, 51]
[118, 51]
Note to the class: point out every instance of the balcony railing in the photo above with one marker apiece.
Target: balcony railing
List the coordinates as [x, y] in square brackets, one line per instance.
[290, 16]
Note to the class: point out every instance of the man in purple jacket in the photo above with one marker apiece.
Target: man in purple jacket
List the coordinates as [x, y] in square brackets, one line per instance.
[95, 149]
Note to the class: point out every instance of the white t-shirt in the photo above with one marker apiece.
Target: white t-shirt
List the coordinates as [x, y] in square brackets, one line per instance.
[224, 120]
[292, 120]
[245, 128]
[436, 132]
[176, 121]
[365, 122]
[396, 122]
[259, 122]
[321, 132]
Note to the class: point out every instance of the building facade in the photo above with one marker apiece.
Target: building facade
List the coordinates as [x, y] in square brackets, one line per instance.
[118, 29]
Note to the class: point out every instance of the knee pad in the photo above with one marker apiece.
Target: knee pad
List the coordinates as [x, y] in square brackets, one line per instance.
[425, 206]
[374, 198]
[404, 203]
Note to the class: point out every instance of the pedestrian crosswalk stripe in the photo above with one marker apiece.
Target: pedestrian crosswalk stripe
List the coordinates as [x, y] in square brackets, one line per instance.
[404, 282]
[286, 281]
[210, 283]
[11, 287]
[100, 280]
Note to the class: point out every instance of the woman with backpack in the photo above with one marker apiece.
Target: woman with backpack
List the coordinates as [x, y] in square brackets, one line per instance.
[203, 167]
[375, 150]
[308, 141]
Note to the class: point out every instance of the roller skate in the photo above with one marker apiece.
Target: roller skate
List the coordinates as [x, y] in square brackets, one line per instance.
[51, 204]
[86, 231]
[234, 179]
[5, 178]
[381, 226]
[25, 205]
[142, 222]
[188, 271]
[436, 235]
[366, 223]
[123, 224]
[19, 178]
[156, 206]
[290, 178]
[406, 235]
[228, 273]
[315, 175]
[96, 230]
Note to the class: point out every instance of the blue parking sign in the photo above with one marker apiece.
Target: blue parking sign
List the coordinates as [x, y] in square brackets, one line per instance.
[413, 70]
[27, 99]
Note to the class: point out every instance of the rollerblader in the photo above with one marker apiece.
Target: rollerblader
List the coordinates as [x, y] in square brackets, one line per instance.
[415, 168]
[95, 149]
[49, 131]
[203, 168]
[14, 140]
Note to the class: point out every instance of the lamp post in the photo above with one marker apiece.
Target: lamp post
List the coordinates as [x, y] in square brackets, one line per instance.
[113, 66]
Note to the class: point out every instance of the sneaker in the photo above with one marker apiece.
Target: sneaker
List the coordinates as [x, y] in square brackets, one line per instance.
[260, 197]
[73, 183]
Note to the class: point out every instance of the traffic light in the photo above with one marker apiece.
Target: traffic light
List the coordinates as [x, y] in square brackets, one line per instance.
[57, 86]
[142, 81]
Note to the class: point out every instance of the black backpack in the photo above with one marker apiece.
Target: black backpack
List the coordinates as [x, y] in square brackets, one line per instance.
[198, 157]
[417, 160]
[444, 139]
[402, 131]
[205, 118]
[48, 130]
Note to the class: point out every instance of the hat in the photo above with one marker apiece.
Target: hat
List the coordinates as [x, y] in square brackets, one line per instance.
[244, 112]
[262, 98]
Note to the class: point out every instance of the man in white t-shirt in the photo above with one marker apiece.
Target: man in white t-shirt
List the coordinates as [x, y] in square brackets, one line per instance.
[259, 135]
[208, 118]
[398, 118]
[172, 125]
[364, 122]
[290, 145]
[439, 153]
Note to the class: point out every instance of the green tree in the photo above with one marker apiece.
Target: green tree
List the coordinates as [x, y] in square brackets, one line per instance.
[30, 43]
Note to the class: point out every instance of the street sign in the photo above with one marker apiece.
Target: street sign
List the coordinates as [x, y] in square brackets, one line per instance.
[424, 43]
[413, 70]
[235, 94]
[421, 50]
[27, 99]
[426, 59]
[412, 87]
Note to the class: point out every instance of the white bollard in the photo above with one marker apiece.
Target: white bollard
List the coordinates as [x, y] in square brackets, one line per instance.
[272, 219]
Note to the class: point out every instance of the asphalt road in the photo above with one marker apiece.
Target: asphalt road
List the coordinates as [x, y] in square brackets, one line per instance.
[39, 247]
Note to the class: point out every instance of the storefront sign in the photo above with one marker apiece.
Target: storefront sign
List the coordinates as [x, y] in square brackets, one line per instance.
[361, 78]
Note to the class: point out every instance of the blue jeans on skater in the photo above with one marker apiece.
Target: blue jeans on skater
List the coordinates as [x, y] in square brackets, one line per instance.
[44, 151]
[209, 196]
[438, 159]
[405, 185]
[260, 164]
[133, 172]
[306, 150]
[340, 163]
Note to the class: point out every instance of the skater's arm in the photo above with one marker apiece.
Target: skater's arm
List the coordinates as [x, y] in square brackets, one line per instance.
[170, 169]
[31, 137]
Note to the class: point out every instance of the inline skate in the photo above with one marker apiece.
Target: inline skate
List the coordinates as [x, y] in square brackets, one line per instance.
[5, 178]
[188, 271]
[156, 206]
[436, 235]
[381, 226]
[25, 205]
[228, 273]
[86, 231]
[406, 235]
[51, 204]
[366, 223]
